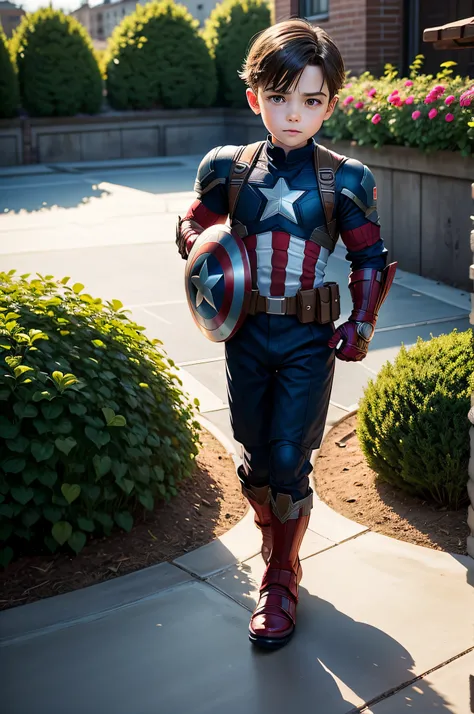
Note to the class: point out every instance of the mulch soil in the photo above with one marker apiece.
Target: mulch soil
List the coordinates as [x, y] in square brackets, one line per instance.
[209, 503]
[346, 483]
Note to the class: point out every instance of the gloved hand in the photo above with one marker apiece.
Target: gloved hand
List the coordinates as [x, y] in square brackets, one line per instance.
[355, 345]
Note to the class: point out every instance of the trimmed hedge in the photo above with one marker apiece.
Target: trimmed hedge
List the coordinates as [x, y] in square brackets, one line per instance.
[9, 91]
[57, 68]
[156, 58]
[412, 421]
[93, 422]
[228, 31]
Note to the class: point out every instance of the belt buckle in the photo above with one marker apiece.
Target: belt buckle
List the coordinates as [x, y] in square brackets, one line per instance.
[276, 305]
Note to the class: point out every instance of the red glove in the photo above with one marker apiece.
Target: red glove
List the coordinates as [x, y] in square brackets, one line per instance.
[369, 289]
[355, 346]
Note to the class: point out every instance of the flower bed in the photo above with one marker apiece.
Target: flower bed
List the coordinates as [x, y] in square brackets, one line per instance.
[422, 111]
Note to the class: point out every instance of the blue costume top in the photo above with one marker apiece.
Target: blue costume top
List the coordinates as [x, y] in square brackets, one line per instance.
[281, 209]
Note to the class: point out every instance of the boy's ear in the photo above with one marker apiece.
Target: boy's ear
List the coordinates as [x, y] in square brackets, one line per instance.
[331, 107]
[252, 100]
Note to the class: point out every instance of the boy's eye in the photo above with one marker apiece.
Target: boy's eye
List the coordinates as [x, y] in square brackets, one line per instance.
[275, 97]
[314, 102]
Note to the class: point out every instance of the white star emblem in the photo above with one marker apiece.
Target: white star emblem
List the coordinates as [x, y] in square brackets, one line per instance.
[280, 200]
[204, 284]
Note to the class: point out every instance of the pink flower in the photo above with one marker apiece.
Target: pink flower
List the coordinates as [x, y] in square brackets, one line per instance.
[416, 115]
[433, 113]
[449, 117]
[465, 100]
[430, 98]
[371, 92]
[348, 100]
[408, 83]
[395, 91]
[348, 86]
[410, 99]
[359, 105]
[376, 118]
[439, 89]
[449, 100]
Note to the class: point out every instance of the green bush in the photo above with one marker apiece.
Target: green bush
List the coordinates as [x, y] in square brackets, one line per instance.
[412, 420]
[9, 93]
[422, 111]
[57, 69]
[156, 58]
[228, 32]
[92, 423]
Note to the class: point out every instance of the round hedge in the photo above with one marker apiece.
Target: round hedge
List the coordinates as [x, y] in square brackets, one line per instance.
[412, 421]
[9, 92]
[57, 69]
[156, 58]
[228, 31]
[92, 421]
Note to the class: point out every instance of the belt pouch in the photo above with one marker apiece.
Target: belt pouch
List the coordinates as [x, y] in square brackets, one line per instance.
[323, 305]
[306, 305]
[335, 301]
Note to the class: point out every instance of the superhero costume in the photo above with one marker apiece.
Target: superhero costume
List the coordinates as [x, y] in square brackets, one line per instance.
[279, 365]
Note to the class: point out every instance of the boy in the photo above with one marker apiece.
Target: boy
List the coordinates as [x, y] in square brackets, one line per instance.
[280, 363]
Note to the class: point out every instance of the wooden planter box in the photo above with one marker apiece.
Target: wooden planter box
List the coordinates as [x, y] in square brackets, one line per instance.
[424, 204]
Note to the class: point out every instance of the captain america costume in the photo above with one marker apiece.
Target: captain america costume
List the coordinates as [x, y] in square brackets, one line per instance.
[280, 364]
[280, 372]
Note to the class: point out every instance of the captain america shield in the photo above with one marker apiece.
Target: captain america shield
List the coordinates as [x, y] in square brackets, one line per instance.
[218, 283]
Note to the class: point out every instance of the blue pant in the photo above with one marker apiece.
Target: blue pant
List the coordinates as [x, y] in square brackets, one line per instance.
[279, 380]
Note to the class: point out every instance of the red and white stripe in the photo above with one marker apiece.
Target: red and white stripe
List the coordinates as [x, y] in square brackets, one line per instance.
[282, 263]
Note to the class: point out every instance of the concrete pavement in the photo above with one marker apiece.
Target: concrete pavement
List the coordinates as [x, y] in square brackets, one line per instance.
[383, 626]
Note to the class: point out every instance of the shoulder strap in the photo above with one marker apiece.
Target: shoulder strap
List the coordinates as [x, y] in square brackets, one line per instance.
[242, 164]
[326, 165]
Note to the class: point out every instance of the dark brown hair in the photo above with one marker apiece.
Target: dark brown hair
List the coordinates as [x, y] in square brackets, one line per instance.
[279, 54]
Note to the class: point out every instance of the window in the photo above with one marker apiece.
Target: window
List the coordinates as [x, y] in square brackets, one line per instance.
[314, 8]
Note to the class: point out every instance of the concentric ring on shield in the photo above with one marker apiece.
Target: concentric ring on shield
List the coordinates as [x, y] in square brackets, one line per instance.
[218, 282]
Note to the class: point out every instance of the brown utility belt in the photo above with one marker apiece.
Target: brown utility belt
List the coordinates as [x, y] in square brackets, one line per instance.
[321, 305]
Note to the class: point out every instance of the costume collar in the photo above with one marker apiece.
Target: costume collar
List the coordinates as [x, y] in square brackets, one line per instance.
[296, 156]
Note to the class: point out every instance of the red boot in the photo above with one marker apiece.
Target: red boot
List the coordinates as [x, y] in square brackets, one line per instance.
[273, 620]
[259, 499]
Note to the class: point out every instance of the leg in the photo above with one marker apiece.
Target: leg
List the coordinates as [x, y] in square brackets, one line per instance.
[301, 398]
[249, 388]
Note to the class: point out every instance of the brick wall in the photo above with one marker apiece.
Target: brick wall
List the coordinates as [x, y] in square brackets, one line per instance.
[367, 32]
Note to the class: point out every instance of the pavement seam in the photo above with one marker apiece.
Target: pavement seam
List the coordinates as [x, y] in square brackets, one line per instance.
[91, 617]
[391, 692]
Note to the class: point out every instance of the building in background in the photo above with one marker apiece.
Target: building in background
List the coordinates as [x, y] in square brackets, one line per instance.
[100, 20]
[371, 33]
[10, 16]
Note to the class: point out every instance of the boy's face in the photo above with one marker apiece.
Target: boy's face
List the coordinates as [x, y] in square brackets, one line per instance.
[295, 117]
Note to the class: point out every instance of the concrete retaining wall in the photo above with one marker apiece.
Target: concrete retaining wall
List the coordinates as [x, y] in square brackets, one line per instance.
[424, 207]
[124, 135]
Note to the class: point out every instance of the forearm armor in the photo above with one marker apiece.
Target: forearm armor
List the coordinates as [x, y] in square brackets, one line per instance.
[369, 289]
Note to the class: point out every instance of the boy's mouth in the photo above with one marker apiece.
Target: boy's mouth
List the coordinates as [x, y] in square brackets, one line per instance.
[292, 131]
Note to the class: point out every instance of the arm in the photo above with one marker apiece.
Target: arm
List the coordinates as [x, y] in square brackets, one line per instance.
[370, 279]
[211, 205]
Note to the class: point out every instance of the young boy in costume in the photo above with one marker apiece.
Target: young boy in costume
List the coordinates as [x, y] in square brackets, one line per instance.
[289, 199]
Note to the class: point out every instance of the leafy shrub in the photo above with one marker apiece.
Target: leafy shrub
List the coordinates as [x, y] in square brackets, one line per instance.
[421, 111]
[9, 93]
[57, 69]
[92, 423]
[228, 32]
[412, 420]
[156, 58]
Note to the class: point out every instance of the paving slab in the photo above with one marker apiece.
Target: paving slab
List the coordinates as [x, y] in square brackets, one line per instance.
[375, 612]
[88, 603]
[448, 689]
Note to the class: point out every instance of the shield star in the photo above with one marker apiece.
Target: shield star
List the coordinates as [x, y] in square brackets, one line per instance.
[204, 284]
[280, 199]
